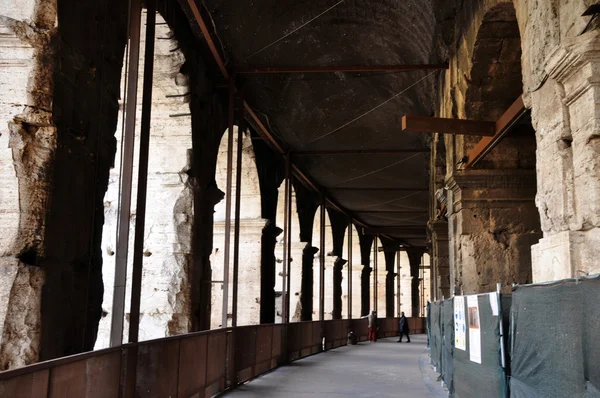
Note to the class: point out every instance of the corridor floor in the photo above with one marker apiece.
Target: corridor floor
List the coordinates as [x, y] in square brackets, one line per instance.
[382, 369]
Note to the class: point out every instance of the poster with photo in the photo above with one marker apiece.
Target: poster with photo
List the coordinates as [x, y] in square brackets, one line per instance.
[460, 328]
[474, 329]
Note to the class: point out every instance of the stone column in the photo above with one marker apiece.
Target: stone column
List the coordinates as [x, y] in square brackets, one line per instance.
[492, 223]
[270, 176]
[338, 229]
[414, 258]
[306, 205]
[366, 241]
[440, 259]
[566, 116]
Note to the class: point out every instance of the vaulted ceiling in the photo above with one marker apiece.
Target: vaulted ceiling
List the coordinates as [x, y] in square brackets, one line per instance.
[342, 111]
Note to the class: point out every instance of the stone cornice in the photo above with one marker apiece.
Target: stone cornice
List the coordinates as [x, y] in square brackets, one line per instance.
[574, 52]
[486, 178]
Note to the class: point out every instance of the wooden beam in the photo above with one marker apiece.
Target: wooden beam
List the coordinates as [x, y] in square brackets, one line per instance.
[252, 70]
[360, 152]
[502, 128]
[425, 124]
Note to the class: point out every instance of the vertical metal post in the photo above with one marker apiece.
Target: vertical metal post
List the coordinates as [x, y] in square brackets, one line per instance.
[350, 269]
[398, 300]
[286, 237]
[288, 242]
[322, 262]
[422, 265]
[122, 246]
[140, 219]
[238, 199]
[502, 348]
[375, 273]
[228, 201]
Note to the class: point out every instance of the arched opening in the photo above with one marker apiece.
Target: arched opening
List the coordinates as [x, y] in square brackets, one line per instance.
[251, 225]
[295, 259]
[164, 305]
[495, 221]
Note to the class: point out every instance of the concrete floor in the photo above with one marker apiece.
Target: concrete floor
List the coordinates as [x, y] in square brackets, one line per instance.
[382, 369]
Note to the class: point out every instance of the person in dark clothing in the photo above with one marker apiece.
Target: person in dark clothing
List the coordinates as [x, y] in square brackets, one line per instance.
[403, 328]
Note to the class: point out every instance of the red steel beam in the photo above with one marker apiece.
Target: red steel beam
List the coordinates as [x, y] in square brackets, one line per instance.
[426, 124]
[262, 130]
[502, 127]
[211, 44]
[389, 189]
[360, 152]
[252, 70]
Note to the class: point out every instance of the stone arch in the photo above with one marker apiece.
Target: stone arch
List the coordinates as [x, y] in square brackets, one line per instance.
[251, 225]
[295, 257]
[495, 221]
[164, 307]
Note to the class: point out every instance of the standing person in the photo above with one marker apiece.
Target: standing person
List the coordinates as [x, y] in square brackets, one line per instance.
[372, 317]
[403, 328]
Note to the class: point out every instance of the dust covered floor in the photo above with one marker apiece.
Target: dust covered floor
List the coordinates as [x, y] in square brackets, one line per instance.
[382, 369]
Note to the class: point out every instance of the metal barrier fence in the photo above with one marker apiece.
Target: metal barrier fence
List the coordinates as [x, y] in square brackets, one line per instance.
[191, 365]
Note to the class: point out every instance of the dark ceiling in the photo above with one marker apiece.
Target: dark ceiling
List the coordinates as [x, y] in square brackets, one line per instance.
[318, 111]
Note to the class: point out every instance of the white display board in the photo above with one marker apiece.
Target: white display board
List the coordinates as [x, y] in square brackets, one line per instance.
[460, 329]
[474, 329]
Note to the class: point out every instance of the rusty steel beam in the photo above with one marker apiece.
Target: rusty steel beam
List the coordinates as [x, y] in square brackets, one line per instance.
[350, 228]
[209, 41]
[391, 211]
[238, 200]
[322, 261]
[375, 255]
[252, 70]
[127, 154]
[142, 188]
[261, 129]
[228, 190]
[503, 126]
[360, 152]
[406, 230]
[426, 124]
[382, 189]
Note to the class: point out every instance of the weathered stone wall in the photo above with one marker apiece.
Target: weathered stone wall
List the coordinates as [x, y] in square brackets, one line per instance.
[493, 221]
[27, 144]
[251, 225]
[90, 45]
[167, 243]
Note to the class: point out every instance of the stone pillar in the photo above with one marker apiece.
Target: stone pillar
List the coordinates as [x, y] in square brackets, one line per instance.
[566, 116]
[339, 223]
[414, 258]
[27, 145]
[493, 223]
[365, 241]
[440, 259]
[270, 176]
[306, 205]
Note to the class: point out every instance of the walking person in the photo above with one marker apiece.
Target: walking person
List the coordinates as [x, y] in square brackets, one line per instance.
[372, 317]
[403, 328]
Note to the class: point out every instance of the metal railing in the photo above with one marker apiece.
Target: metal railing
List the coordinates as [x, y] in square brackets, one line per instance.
[191, 365]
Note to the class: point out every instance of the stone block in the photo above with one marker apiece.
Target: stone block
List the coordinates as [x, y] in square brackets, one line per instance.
[564, 254]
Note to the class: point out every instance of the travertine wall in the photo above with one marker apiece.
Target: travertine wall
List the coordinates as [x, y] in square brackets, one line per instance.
[27, 143]
[167, 245]
[492, 218]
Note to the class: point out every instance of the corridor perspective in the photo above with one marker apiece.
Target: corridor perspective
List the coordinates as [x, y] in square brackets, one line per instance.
[382, 369]
[219, 197]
